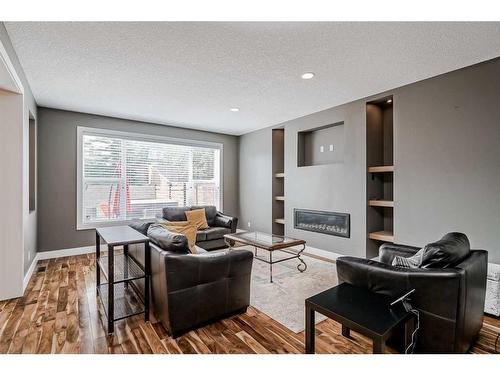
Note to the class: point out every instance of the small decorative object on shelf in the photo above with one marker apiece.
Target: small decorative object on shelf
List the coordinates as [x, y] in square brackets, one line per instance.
[120, 297]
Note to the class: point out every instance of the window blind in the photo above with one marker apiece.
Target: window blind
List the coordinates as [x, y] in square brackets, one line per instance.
[123, 178]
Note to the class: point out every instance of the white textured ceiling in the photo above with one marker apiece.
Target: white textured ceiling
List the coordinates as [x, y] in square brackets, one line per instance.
[189, 74]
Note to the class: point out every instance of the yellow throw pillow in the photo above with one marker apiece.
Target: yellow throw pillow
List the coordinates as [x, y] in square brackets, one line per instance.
[185, 228]
[198, 218]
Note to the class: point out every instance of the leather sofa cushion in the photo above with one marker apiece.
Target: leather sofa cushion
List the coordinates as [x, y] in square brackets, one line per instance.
[167, 240]
[213, 233]
[201, 236]
[447, 252]
[210, 213]
[175, 213]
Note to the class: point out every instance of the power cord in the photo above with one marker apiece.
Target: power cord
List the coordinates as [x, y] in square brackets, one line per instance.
[414, 334]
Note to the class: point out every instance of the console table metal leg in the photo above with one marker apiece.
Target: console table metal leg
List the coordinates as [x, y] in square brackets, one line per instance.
[147, 279]
[378, 346]
[271, 266]
[346, 332]
[310, 330]
[97, 256]
[111, 289]
[125, 265]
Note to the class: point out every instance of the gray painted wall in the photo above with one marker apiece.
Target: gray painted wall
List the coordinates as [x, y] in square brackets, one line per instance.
[447, 158]
[57, 141]
[255, 204]
[446, 155]
[29, 218]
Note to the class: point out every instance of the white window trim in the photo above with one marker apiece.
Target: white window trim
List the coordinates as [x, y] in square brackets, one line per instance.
[82, 130]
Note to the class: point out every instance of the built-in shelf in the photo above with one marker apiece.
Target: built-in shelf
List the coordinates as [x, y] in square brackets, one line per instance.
[380, 203]
[381, 169]
[380, 174]
[278, 181]
[382, 235]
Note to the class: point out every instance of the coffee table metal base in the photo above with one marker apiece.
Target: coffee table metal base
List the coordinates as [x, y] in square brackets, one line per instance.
[302, 266]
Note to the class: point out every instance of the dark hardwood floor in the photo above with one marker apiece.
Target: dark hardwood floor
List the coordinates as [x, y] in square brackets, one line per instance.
[59, 314]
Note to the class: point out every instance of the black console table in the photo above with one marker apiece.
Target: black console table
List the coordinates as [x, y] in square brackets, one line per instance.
[360, 310]
[120, 297]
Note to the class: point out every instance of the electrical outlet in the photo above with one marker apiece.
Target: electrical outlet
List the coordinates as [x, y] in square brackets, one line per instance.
[321, 149]
[331, 147]
[249, 224]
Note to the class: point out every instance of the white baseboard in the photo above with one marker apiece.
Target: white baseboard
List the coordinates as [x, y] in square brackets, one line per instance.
[55, 254]
[321, 253]
[28, 275]
[65, 252]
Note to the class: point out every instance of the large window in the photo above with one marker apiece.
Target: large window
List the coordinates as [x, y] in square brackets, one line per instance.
[125, 176]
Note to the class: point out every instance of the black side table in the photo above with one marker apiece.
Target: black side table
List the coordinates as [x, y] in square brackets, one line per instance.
[360, 310]
[120, 296]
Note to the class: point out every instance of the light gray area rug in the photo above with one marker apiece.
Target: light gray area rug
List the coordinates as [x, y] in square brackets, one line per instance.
[283, 300]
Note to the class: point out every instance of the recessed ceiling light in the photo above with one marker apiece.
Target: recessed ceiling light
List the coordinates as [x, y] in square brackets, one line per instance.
[308, 75]
[234, 109]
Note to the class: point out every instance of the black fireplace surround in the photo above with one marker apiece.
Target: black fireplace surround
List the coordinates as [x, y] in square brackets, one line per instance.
[332, 223]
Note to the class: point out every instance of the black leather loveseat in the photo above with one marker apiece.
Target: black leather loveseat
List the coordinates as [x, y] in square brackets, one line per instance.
[190, 290]
[219, 224]
[450, 289]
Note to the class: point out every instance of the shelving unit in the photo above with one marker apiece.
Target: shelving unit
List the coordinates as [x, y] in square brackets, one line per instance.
[380, 174]
[278, 183]
[119, 295]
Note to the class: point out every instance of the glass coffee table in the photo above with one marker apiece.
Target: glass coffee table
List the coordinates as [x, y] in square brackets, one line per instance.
[270, 243]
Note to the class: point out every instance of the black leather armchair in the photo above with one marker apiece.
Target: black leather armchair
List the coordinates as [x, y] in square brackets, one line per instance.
[450, 300]
[190, 290]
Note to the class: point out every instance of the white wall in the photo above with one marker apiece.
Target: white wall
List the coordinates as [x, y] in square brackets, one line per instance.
[11, 194]
[8, 82]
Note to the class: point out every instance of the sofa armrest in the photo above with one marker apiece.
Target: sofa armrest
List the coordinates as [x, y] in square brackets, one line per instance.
[167, 240]
[226, 221]
[388, 251]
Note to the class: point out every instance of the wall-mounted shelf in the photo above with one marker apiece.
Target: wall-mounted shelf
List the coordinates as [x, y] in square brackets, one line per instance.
[280, 221]
[381, 169]
[279, 198]
[382, 235]
[280, 175]
[380, 203]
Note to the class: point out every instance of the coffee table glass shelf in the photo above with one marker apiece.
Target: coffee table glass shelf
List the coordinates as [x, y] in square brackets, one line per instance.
[119, 295]
[270, 243]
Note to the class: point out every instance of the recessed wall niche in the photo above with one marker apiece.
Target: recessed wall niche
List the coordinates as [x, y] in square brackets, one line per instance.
[321, 145]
